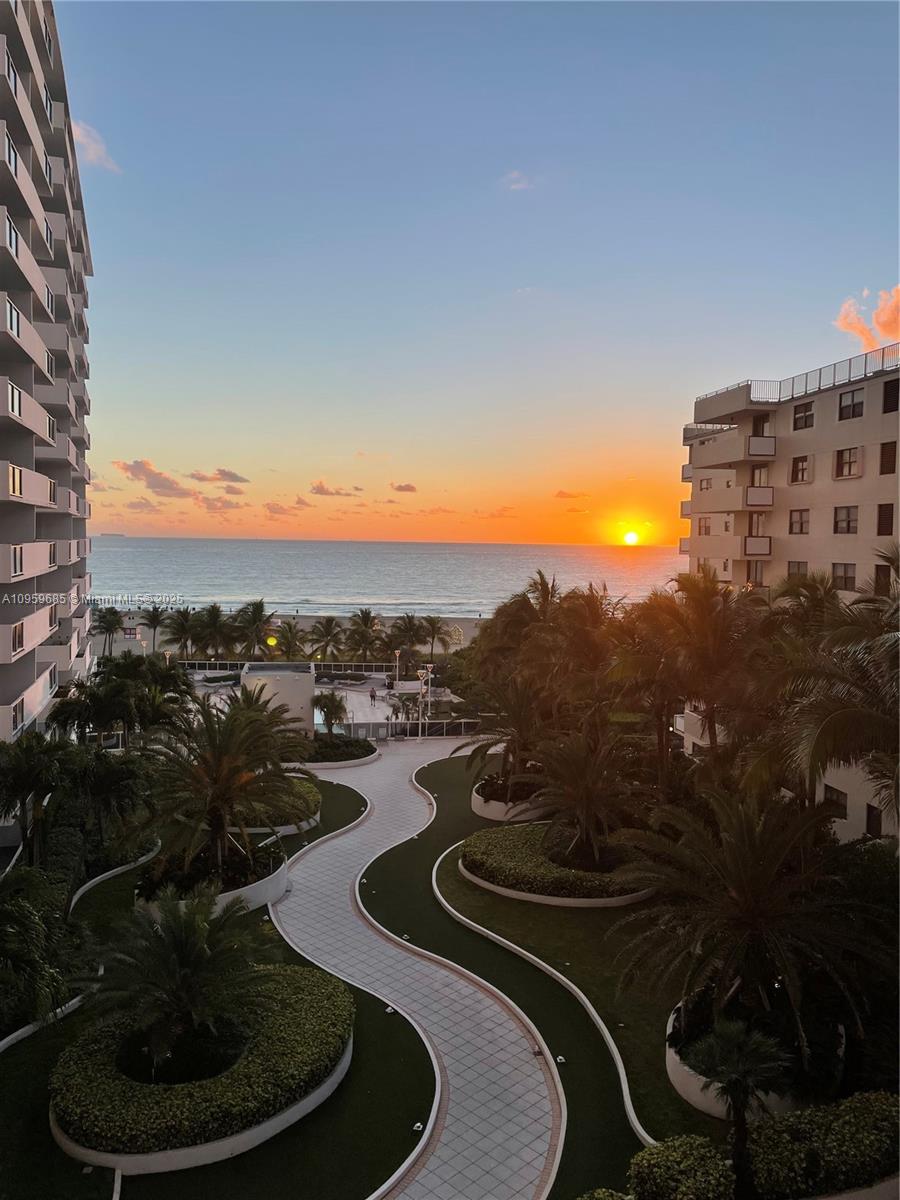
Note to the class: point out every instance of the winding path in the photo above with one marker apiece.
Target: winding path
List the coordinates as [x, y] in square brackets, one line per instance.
[498, 1128]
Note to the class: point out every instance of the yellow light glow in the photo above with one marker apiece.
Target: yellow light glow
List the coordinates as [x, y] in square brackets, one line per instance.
[631, 538]
[271, 641]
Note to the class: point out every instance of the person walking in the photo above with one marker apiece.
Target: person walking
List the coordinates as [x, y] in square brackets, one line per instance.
[372, 695]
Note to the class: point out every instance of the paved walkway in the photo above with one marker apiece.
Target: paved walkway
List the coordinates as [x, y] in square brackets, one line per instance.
[497, 1131]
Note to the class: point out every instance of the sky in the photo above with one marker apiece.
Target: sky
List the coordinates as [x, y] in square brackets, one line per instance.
[455, 272]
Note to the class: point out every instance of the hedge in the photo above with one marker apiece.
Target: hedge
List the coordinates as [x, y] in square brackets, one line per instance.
[294, 1044]
[826, 1149]
[512, 857]
[681, 1168]
[603, 1194]
[305, 803]
[338, 749]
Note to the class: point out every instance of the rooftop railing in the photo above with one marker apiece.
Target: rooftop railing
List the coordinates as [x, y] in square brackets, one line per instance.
[847, 370]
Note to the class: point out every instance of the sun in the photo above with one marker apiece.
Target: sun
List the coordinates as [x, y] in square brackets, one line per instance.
[631, 538]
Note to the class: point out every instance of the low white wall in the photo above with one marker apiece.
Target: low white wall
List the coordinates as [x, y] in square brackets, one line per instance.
[557, 901]
[282, 830]
[255, 895]
[339, 766]
[208, 1152]
[689, 1085]
[496, 810]
[120, 870]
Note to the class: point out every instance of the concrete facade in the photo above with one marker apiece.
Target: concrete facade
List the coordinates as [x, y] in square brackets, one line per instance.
[44, 402]
[285, 683]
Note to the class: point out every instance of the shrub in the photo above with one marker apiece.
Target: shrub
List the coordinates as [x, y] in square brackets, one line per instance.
[603, 1194]
[339, 749]
[681, 1168]
[294, 1043]
[513, 857]
[238, 870]
[64, 848]
[309, 800]
[827, 1149]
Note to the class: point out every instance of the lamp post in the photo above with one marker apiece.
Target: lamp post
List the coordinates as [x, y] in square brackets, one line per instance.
[429, 667]
[421, 674]
[396, 667]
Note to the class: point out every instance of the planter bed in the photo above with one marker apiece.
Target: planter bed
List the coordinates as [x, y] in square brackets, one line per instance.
[258, 894]
[497, 810]
[297, 1053]
[510, 861]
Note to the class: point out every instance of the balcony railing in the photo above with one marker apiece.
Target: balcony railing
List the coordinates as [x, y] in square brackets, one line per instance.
[847, 370]
[757, 546]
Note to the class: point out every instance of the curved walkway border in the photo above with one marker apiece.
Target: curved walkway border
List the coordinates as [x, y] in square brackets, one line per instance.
[555, 901]
[494, 1132]
[633, 1120]
[120, 870]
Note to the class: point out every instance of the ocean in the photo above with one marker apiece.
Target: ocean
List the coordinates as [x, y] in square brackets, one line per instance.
[311, 577]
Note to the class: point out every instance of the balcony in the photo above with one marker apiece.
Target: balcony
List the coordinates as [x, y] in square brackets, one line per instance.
[756, 496]
[756, 546]
[60, 649]
[690, 725]
[57, 395]
[17, 190]
[62, 450]
[24, 346]
[84, 547]
[32, 415]
[685, 508]
[70, 502]
[732, 447]
[23, 635]
[19, 270]
[19, 485]
[717, 546]
[20, 711]
[687, 473]
[684, 545]
[80, 622]
[33, 558]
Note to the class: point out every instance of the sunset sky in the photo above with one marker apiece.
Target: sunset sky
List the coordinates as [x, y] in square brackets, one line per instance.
[456, 271]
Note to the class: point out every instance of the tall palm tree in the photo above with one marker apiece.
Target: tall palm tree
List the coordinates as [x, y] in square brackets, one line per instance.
[31, 766]
[27, 960]
[333, 708]
[740, 905]
[543, 593]
[327, 637]
[511, 728]
[183, 969]
[437, 631]
[252, 626]
[406, 635]
[108, 621]
[292, 640]
[103, 706]
[739, 1065]
[364, 634]
[214, 630]
[152, 618]
[179, 628]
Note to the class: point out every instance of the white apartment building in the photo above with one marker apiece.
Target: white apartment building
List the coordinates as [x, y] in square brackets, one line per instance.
[793, 476]
[44, 402]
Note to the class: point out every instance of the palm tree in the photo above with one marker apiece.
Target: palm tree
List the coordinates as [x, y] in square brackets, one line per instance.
[333, 708]
[512, 729]
[183, 969]
[277, 723]
[108, 621]
[217, 770]
[30, 767]
[179, 628]
[327, 637]
[27, 965]
[253, 625]
[739, 1065]
[214, 631]
[543, 593]
[152, 618]
[407, 634]
[102, 707]
[437, 630]
[364, 634]
[292, 640]
[112, 786]
[740, 905]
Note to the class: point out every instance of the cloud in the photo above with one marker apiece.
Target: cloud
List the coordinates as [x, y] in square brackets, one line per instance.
[403, 487]
[576, 510]
[143, 505]
[302, 502]
[92, 148]
[321, 488]
[496, 514]
[357, 488]
[142, 470]
[517, 181]
[387, 501]
[885, 318]
[218, 504]
[220, 475]
[435, 512]
[564, 495]
[100, 485]
[361, 504]
[278, 510]
[231, 489]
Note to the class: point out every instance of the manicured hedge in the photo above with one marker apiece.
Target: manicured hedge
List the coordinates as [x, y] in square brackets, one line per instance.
[338, 749]
[294, 1044]
[827, 1149]
[603, 1194]
[306, 803]
[512, 857]
[681, 1168]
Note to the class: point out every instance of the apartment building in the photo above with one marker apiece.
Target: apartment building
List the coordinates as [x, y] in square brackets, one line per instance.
[792, 476]
[44, 401]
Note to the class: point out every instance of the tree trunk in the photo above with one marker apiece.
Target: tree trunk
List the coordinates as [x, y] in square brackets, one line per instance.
[744, 1185]
[662, 747]
[711, 731]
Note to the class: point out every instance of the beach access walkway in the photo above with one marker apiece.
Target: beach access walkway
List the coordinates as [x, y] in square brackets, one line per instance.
[498, 1122]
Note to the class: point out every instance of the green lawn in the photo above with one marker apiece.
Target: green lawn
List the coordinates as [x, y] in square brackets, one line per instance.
[366, 1127]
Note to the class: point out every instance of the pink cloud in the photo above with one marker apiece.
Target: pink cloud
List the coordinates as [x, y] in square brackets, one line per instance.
[220, 475]
[321, 488]
[92, 148]
[142, 470]
[403, 487]
[562, 494]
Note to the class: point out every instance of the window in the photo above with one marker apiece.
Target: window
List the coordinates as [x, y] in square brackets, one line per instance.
[18, 637]
[49, 302]
[889, 395]
[758, 524]
[48, 169]
[51, 554]
[846, 463]
[843, 576]
[48, 39]
[703, 526]
[798, 520]
[15, 400]
[804, 415]
[48, 234]
[12, 155]
[705, 483]
[760, 425]
[15, 480]
[888, 464]
[800, 469]
[759, 477]
[12, 75]
[850, 404]
[726, 524]
[846, 519]
[873, 820]
[797, 569]
[755, 572]
[51, 491]
[882, 579]
[48, 104]
[48, 363]
[885, 526]
[51, 428]
[53, 677]
[130, 632]
[18, 561]
[12, 318]
[726, 566]
[18, 714]
[837, 799]
[12, 237]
